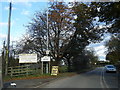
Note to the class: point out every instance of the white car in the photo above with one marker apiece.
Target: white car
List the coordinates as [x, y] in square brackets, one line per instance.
[110, 68]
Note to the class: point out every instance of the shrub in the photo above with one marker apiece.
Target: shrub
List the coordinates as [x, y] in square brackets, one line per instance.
[63, 69]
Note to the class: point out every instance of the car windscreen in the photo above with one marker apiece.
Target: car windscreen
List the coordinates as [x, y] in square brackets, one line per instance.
[110, 66]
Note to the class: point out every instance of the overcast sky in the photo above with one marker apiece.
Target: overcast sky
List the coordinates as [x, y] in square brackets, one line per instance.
[22, 13]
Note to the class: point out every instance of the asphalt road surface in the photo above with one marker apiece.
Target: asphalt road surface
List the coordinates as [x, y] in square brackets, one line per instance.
[97, 78]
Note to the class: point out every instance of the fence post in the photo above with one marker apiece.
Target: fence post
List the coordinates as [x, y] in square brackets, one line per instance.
[27, 70]
[11, 72]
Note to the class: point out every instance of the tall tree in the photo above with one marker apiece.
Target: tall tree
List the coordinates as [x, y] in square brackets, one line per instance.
[85, 31]
[109, 13]
[71, 29]
[60, 29]
[113, 46]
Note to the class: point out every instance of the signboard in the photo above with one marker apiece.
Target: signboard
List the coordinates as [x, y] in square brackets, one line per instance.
[54, 70]
[47, 52]
[27, 58]
[45, 58]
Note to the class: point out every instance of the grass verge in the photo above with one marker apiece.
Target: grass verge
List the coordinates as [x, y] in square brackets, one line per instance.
[38, 76]
[45, 76]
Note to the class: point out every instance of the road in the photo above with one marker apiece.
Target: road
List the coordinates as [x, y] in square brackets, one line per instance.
[97, 78]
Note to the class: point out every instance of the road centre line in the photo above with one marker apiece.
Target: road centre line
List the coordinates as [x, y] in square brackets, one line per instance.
[101, 80]
[105, 84]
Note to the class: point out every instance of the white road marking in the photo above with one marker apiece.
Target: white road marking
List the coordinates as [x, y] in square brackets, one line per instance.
[102, 80]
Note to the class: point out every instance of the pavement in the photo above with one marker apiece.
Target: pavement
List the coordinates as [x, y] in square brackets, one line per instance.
[29, 83]
[26, 83]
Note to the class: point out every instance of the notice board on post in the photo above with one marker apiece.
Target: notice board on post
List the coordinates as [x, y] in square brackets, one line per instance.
[27, 58]
[45, 59]
[54, 70]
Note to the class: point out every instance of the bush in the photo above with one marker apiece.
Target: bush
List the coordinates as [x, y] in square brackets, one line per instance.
[63, 69]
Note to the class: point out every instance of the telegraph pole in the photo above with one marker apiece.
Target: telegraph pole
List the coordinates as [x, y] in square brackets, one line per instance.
[47, 52]
[8, 38]
[47, 32]
[1, 73]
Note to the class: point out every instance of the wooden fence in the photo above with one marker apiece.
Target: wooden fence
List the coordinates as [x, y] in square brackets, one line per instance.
[22, 70]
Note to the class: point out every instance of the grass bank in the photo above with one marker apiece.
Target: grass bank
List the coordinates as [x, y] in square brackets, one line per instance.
[38, 76]
[45, 76]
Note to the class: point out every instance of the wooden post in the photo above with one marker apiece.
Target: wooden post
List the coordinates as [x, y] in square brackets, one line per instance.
[49, 67]
[1, 74]
[8, 38]
[19, 70]
[11, 74]
[27, 70]
[6, 63]
[42, 67]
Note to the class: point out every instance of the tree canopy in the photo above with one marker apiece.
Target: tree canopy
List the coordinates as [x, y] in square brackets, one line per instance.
[109, 13]
[113, 46]
[71, 27]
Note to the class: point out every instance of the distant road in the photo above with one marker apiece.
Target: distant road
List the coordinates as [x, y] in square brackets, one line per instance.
[97, 78]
